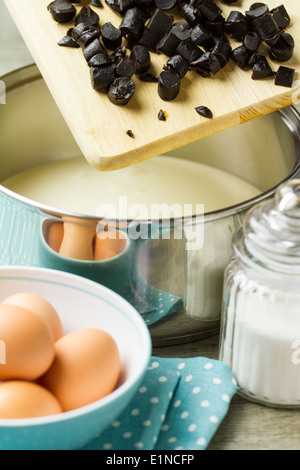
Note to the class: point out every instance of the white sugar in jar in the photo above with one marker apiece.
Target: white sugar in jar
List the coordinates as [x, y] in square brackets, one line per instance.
[260, 322]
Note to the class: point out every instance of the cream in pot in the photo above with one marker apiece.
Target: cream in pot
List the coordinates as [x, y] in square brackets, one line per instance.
[176, 185]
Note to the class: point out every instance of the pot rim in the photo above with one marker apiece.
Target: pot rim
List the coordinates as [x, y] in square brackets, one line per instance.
[32, 73]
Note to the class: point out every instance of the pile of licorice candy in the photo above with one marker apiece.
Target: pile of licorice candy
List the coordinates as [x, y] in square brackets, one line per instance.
[199, 41]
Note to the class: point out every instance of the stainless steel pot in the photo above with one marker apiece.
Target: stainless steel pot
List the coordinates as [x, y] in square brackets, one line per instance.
[177, 291]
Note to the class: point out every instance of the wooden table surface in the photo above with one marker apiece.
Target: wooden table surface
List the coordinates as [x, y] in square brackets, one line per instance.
[247, 426]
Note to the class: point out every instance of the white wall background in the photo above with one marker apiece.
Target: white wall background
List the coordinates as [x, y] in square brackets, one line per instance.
[13, 51]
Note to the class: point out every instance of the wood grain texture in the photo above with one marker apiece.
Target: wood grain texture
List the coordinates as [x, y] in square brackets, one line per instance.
[247, 425]
[99, 127]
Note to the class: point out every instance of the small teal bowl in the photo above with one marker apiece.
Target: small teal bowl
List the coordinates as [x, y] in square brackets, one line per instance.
[80, 303]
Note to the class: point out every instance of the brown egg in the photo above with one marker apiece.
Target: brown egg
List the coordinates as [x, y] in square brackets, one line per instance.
[55, 235]
[22, 399]
[108, 244]
[28, 344]
[78, 239]
[40, 307]
[86, 368]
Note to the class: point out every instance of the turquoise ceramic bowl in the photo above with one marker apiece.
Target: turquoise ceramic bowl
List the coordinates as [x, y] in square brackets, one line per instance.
[80, 303]
[114, 273]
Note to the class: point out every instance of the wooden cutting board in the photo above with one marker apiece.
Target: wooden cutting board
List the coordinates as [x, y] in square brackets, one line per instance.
[99, 127]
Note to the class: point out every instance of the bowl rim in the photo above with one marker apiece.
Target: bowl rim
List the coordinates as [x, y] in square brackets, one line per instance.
[32, 73]
[132, 314]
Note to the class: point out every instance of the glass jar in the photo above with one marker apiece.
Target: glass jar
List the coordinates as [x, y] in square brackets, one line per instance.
[260, 321]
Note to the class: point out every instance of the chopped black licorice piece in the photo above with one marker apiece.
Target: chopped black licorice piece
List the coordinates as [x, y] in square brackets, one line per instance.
[84, 33]
[256, 10]
[116, 54]
[241, 56]
[158, 25]
[265, 25]
[133, 23]
[111, 36]
[255, 57]
[148, 77]
[140, 56]
[252, 41]
[271, 39]
[97, 3]
[283, 49]
[66, 41]
[215, 64]
[100, 59]
[178, 32]
[121, 90]
[217, 27]
[189, 13]
[181, 29]
[261, 69]
[222, 51]
[285, 76]
[130, 41]
[144, 4]
[189, 50]
[202, 37]
[178, 64]
[168, 44]
[130, 133]
[102, 77]
[165, 4]
[87, 15]
[202, 64]
[209, 10]
[125, 67]
[237, 25]
[256, 5]
[120, 6]
[212, 61]
[168, 85]
[162, 115]
[204, 111]
[62, 11]
[281, 17]
[92, 49]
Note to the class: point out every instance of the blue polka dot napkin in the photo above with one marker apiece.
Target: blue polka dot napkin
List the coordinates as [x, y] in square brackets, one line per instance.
[179, 406]
[151, 303]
